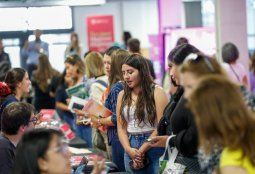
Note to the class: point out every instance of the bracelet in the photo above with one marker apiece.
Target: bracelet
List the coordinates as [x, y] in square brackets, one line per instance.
[99, 122]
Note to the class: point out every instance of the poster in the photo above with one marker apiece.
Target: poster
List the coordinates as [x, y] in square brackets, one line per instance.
[100, 32]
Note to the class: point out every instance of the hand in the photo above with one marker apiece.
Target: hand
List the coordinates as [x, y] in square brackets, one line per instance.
[158, 141]
[134, 153]
[79, 112]
[138, 161]
[39, 117]
[68, 101]
[98, 168]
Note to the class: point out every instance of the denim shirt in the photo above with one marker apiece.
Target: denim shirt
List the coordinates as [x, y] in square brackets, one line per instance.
[110, 103]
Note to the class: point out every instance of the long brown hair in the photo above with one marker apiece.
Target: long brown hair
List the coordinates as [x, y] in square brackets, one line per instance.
[76, 45]
[44, 72]
[145, 104]
[117, 57]
[222, 117]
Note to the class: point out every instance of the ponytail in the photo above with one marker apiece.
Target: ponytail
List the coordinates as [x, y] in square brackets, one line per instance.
[4, 89]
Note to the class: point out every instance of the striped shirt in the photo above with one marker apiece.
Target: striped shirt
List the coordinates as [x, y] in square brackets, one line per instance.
[110, 103]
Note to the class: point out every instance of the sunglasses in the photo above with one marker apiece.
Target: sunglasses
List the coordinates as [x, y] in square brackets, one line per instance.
[193, 57]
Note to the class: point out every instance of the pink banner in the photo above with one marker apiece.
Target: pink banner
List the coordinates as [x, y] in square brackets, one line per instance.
[100, 32]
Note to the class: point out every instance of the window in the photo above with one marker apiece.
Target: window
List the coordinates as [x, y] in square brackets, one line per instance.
[11, 46]
[45, 18]
[13, 19]
[48, 18]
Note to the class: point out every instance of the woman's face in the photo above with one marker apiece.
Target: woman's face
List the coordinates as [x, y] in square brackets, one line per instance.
[188, 80]
[57, 158]
[71, 70]
[68, 79]
[173, 72]
[73, 39]
[25, 84]
[107, 64]
[131, 76]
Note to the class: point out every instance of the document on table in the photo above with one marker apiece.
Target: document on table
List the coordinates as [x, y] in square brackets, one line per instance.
[78, 151]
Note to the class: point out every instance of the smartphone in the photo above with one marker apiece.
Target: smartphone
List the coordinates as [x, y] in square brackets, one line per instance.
[150, 140]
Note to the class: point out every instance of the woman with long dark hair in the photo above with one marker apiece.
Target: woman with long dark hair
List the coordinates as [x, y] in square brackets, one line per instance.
[139, 108]
[15, 85]
[44, 82]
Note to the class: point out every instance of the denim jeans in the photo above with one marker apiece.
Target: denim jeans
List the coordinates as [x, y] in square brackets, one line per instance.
[85, 133]
[136, 141]
[118, 154]
[69, 121]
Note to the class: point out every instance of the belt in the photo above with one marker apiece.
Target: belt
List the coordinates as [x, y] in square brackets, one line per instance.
[139, 133]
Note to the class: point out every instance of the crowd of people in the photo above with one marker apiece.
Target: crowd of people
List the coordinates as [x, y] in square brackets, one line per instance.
[209, 119]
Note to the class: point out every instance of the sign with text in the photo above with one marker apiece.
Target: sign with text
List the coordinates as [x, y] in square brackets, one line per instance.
[100, 32]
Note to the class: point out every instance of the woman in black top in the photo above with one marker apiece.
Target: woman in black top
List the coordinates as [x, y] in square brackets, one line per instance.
[178, 119]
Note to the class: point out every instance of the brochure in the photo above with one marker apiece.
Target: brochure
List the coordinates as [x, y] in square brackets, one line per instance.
[94, 108]
[76, 103]
[78, 91]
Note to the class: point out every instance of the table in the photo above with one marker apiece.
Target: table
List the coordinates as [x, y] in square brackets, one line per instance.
[78, 143]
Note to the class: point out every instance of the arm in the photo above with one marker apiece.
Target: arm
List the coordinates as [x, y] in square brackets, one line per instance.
[62, 106]
[232, 169]
[46, 48]
[161, 101]
[24, 50]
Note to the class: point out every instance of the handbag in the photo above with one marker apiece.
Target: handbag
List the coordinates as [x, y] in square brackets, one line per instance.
[98, 140]
[169, 166]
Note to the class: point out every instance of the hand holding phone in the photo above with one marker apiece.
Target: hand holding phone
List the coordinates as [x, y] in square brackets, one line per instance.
[150, 140]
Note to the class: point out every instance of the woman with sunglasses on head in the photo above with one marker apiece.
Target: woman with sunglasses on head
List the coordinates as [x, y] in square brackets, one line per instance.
[195, 67]
[16, 84]
[177, 120]
[139, 108]
[223, 120]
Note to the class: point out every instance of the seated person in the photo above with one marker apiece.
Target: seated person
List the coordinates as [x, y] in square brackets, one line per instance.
[42, 151]
[17, 118]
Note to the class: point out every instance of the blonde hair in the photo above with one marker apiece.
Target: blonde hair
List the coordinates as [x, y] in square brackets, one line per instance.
[222, 117]
[94, 64]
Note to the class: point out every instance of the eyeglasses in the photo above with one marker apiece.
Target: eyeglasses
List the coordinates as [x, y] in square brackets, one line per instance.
[193, 57]
[34, 120]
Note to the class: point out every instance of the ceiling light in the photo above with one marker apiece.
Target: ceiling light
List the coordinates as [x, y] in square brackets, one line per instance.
[37, 3]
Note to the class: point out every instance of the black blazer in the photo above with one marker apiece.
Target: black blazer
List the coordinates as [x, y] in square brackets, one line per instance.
[183, 126]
